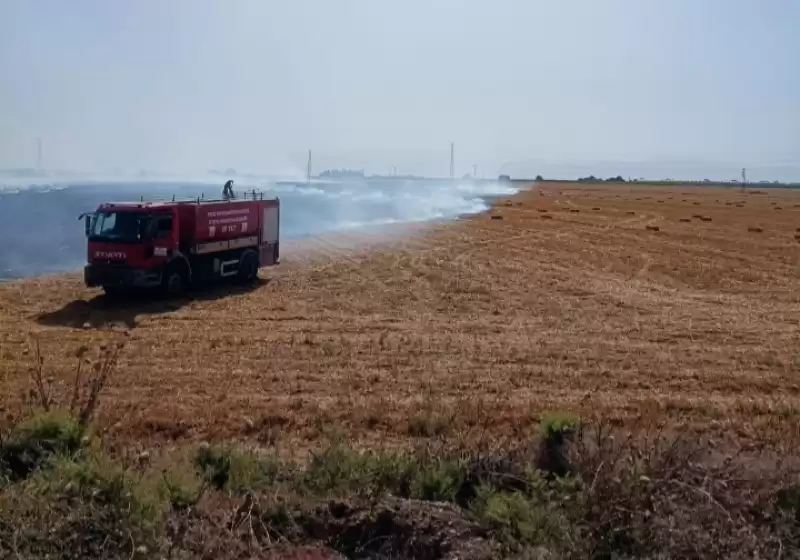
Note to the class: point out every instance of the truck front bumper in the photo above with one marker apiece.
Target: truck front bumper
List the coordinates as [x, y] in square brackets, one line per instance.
[120, 276]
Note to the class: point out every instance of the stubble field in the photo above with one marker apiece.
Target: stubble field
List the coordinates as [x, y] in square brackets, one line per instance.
[631, 303]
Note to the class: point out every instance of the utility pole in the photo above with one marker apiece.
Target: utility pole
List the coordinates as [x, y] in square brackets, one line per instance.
[452, 161]
[308, 170]
[744, 178]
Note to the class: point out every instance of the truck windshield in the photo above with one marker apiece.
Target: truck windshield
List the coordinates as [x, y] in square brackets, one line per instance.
[122, 227]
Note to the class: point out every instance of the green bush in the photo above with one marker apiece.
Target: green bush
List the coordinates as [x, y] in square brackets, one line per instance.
[88, 508]
[520, 520]
[238, 471]
[555, 425]
[37, 440]
[439, 481]
[181, 489]
[336, 469]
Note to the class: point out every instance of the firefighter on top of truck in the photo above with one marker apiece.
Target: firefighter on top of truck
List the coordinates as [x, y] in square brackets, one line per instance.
[227, 190]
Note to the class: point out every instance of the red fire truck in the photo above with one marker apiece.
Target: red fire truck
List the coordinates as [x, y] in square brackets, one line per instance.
[171, 245]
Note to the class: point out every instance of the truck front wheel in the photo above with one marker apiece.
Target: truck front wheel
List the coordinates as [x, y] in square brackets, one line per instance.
[173, 283]
[113, 292]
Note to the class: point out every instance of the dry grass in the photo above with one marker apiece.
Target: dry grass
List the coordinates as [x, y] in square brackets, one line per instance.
[474, 328]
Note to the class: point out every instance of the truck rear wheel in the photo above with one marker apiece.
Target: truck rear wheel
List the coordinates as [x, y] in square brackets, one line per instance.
[248, 266]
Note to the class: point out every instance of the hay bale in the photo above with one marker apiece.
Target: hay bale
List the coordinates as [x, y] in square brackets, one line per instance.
[652, 228]
[684, 220]
[574, 210]
[547, 217]
[497, 217]
[705, 219]
[697, 216]
[754, 229]
[595, 208]
[696, 203]
[630, 213]
[542, 210]
[779, 208]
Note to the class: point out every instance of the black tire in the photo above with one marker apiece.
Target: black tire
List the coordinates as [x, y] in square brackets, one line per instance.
[113, 292]
[173, 283]
[248, 267]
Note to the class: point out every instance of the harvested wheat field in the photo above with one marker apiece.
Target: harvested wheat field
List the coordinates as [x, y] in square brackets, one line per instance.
[619, 301]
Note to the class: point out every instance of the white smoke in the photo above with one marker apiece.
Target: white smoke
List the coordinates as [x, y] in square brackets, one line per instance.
[307, 209]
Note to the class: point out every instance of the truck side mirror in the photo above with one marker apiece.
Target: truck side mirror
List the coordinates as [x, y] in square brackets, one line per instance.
[87, 223]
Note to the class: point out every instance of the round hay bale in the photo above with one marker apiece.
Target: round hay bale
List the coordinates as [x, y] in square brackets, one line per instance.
[652, 228]
[542, 210]
[497, 217]
[754, 229]
[631, 213]
[547, 217]
[595, 208]
[685, 220]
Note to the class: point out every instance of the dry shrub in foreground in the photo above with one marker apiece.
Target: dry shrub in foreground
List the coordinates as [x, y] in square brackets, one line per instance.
[55, 417]
[572, 491]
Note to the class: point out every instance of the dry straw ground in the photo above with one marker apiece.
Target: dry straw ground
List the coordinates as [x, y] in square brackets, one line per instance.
[569, 300]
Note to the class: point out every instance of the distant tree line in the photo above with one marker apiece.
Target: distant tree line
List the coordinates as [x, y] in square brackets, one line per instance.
[593, 179]
[341, 173]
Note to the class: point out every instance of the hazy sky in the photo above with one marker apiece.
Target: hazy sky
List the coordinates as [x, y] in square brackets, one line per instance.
[253, 84]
